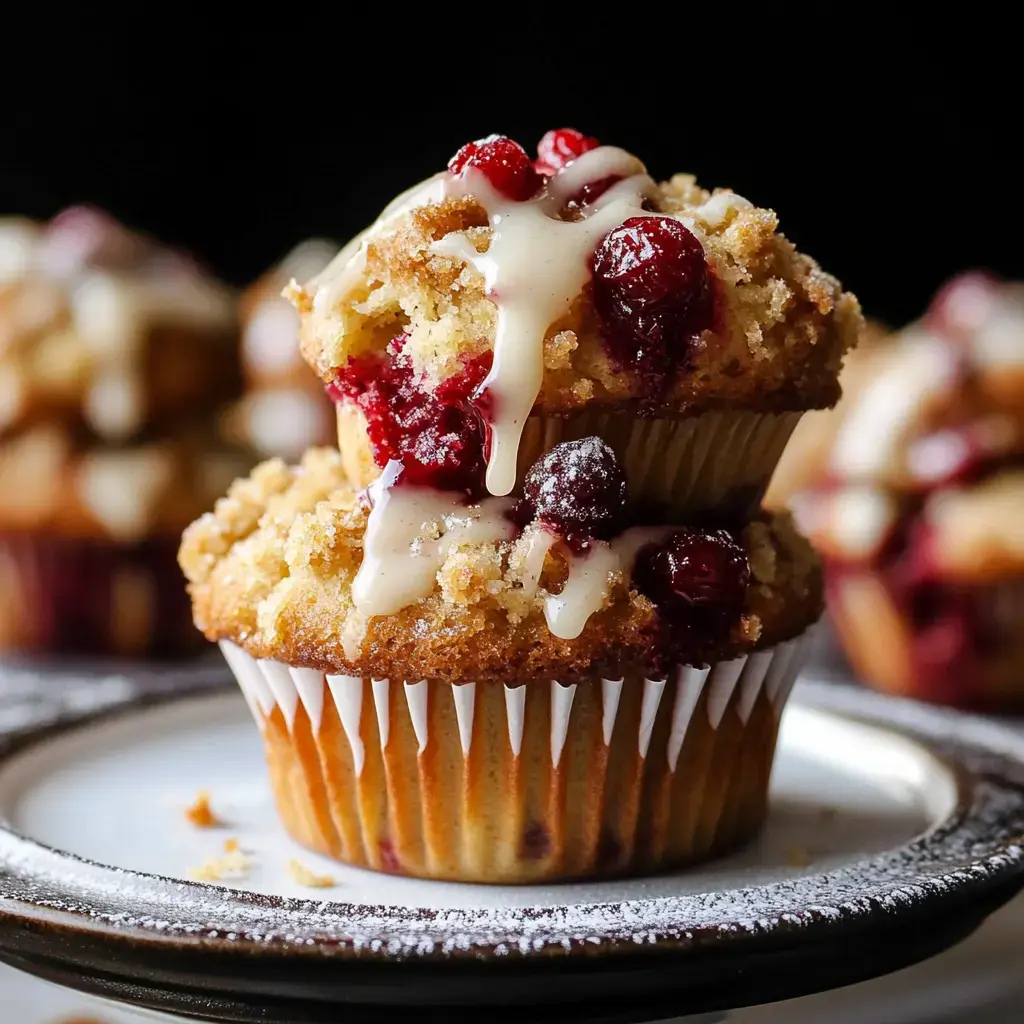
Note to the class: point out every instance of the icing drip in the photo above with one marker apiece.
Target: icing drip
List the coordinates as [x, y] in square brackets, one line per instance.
[534, 268]
[409, 534]
[590, 573]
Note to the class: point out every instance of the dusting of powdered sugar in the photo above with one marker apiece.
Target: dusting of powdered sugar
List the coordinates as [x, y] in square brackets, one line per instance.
[975, 851]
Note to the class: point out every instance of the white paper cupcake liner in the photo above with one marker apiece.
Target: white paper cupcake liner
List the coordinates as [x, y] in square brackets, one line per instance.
[718, 461]
[501, 783]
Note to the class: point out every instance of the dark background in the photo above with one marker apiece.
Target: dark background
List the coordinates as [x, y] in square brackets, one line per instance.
[892, 181]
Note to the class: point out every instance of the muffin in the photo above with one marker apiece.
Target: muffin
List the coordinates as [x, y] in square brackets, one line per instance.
[529, 622]
[804, 461]
[115, 355]
[919, 518]
[284, 410]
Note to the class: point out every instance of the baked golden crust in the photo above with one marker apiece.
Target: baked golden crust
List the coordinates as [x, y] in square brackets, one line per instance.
[783, 325]
[272, 568]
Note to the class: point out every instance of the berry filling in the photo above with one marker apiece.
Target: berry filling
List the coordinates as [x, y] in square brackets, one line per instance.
[436, 434]
[697, 579]
[652, 290]
[578, 491]
[503, 163]
[559, 147]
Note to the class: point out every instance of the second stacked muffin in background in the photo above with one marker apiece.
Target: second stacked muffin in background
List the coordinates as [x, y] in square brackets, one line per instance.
[115, 355]
[284, 410]
[553, 637]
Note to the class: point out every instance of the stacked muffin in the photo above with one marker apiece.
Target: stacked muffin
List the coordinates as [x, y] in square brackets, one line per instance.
[114, 355]
[552, 636]
[284, 410]
[919, 514]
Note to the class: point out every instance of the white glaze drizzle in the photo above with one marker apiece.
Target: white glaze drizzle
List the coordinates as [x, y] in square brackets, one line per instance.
[561, 707]
[347, 692]
[515, 711]
[653, 690]
[409, 534]
[611, 693]
[416, 696]
[689, 686]
[590, 574]
[534, 268]
[309, 684]
[465, 703]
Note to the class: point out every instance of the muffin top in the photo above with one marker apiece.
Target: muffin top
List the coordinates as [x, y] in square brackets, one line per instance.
[104, 330]
[928, 461]
[574, 280]
[287, 566]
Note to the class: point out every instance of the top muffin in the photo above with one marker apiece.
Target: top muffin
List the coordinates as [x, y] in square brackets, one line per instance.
[577, 281]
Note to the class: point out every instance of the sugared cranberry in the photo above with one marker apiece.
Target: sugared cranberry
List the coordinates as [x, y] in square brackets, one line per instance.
[560, 147]
[963, 304]
[436, 434]
[653, 291]
[694, 569]
[578, 489]
[503, 162]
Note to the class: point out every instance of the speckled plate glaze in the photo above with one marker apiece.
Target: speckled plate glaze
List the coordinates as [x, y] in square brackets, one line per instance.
[911, 819]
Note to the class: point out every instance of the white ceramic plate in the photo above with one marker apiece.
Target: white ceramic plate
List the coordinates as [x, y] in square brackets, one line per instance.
[885, 843]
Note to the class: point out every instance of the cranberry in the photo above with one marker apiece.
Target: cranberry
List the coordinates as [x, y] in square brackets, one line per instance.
[560, 147]
[694, 568]
[503, 162]
[963, 304]
[653, 291]
[437, 434]
[578, 489]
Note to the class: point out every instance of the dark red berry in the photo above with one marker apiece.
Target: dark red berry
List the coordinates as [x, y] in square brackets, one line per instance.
[652, 288]
[560, 147]
[694, 569]
[578, 489]
[503, 162]
[436, 434]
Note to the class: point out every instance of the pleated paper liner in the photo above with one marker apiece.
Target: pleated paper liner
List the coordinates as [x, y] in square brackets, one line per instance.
[716, 461]
[92, 596]
[879, 637]
[494, 783]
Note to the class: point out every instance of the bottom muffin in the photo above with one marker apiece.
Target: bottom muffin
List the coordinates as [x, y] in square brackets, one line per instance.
[494, 783]
[523, 708]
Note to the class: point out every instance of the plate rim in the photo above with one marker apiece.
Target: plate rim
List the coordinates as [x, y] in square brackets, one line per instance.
[926, 726]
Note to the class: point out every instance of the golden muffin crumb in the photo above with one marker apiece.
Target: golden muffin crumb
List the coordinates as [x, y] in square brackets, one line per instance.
[302, 875]
[218, 869]
[200, 814]
[272, 569]
[782, 324]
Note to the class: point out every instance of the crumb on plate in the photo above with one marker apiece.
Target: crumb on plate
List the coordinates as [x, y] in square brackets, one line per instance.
[231, 845]
[303, 876]
[798, 856]
[232, 865]
[200, 813]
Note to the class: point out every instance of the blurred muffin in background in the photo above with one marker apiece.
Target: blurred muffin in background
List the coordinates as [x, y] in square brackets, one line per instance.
[921, 516]
[805, 458]
[284, 409]
[116, 355]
